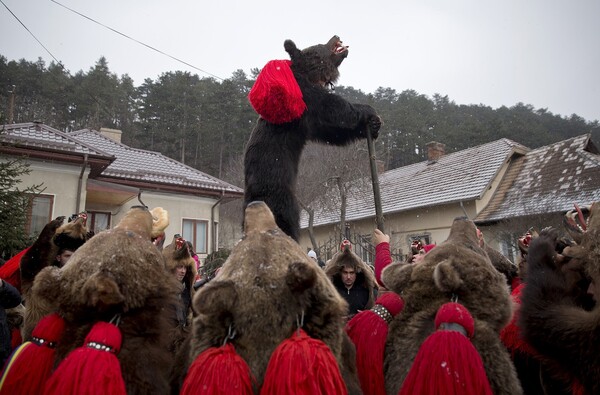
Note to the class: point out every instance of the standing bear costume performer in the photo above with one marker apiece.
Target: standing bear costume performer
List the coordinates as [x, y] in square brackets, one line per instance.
[295, 106]
[270, 322]
[453, 298]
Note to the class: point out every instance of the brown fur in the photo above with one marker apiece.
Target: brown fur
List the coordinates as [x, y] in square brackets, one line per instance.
[364, 274]
[265, 285]
[553, 320]
[460, 268]
[118, 271]
[42, 253]
[175, 254]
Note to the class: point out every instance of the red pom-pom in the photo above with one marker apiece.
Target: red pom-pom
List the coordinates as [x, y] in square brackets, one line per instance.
[302, 365]
[368, 331]
[30, 365]
[447, 362]
[218, 371]
[454, 313]
[276, 95]
[92, 368]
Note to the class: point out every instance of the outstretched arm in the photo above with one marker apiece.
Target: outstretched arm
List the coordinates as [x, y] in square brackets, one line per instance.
[336, 121]
[382, 253]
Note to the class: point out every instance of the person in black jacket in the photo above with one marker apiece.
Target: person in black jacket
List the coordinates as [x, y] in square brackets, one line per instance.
[9, 298]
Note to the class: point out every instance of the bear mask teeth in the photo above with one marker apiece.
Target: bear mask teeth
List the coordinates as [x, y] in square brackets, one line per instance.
[339, 47]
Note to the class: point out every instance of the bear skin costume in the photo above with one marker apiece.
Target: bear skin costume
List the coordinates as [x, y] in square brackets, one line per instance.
[365, 277]
[42, 253]
[118, 272]
[263, 288]
[554, 318]
[273, 151]
[456, 269]
[176, 254]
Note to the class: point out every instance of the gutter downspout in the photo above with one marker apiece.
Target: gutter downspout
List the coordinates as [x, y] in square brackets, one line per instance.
[80, 183]
[212, 222]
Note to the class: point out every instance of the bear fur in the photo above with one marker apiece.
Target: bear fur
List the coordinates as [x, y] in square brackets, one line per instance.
[273, 151]
[457, 269]
[55, 236]
[118, 272]
[563, 328]
[365, 276]
[175, 254]
[265, 286]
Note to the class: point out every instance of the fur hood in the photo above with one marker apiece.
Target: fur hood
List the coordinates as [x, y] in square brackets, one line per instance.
[365, 276]
[177, 253]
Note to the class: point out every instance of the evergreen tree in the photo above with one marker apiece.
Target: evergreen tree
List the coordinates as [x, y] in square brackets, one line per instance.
[14, 204]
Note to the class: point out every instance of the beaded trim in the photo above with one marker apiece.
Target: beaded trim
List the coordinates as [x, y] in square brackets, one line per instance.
[101, 347]
[383, 313]
[42, 342]
[453, 326]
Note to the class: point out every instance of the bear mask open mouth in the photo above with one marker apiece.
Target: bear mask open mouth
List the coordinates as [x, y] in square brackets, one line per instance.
[339, 47]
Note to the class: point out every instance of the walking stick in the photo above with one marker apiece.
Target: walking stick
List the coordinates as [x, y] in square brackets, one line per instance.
[375, 181]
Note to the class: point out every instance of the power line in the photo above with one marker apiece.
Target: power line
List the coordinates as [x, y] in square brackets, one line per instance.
[29, 31]
[137, 41]
[59, 63]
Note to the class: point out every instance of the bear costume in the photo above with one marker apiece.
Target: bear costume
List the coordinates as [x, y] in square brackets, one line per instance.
[562, 327]
[273, 151]
[42, 253]
[177, 254]
[118, 273]
[267, 286]
[364, 284]
[456, 270]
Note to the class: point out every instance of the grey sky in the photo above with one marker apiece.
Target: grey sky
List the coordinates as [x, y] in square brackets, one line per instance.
[540, 52]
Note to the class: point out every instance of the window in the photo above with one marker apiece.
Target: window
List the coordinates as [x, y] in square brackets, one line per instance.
[98, 221]
[194, 230]
[40, 213]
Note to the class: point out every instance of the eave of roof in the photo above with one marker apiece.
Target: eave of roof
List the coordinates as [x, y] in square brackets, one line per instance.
[153, 171]
[39, 141]
[456, 177]
[549, 179]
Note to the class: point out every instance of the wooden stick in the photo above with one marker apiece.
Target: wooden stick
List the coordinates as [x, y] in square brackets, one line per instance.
[375, 180]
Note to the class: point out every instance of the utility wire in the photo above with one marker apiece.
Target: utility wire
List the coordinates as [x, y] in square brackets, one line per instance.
[32, 35]
[59, 63]
[137, 41]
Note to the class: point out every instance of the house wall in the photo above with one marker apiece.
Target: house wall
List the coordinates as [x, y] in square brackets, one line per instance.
[178, 208]
[432, 221]
[60, 181]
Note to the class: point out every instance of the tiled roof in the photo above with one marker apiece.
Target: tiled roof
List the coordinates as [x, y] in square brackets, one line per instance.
[548, 179]
[151, 167]
[37, 136]
[458, 176]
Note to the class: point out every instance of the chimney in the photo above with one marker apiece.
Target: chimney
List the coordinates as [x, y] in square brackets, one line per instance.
[380, 166]
[37, 125]
[435, 151]
[113, 134]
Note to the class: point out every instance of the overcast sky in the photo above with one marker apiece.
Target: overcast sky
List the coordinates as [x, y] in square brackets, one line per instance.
[540, 52]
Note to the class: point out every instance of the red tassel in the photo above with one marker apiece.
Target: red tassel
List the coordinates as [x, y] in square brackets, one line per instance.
[302, 365]
[218, 371]
[368, 331]
[276, 95]
[92, 368]
[30, 365]
[447, 362]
